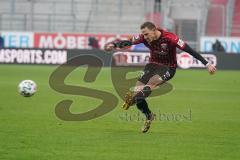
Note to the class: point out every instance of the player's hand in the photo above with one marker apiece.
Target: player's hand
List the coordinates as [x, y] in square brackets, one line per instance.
[109, 47]
[211, 68]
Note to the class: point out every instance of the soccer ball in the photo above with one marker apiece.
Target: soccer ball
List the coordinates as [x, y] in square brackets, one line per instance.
[27, 88]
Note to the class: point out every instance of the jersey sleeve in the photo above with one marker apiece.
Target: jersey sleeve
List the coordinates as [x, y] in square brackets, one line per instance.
[196, 55]
[137, 39]
[179, 43]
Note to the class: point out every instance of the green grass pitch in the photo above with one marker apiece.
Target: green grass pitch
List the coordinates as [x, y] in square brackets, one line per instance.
[207, 126]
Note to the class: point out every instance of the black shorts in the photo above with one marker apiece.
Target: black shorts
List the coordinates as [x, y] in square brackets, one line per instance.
[151, 69]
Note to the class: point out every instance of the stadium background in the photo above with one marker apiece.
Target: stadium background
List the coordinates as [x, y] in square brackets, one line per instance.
[199, 119]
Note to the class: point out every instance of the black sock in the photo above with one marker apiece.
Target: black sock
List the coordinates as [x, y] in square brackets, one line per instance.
[144, 93]
[143, 107]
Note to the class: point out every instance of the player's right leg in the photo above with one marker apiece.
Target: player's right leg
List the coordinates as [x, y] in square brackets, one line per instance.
[130, 94]
[140, 88]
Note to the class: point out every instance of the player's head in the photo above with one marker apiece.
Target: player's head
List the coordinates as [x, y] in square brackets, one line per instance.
[149, 31]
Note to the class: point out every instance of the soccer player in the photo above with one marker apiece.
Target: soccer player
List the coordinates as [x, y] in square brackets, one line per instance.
[161, 68]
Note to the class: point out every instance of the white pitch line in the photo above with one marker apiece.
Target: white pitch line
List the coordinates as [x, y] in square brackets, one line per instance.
[211, 90]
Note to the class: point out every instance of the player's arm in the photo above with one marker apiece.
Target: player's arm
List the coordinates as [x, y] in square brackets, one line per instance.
[211, 69]
[117, 45]
[123, 44]
[185, 47]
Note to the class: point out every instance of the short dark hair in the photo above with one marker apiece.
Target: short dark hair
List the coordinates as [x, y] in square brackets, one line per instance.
[148, 25]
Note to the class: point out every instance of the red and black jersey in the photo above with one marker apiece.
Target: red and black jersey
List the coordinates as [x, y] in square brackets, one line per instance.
[162, 50]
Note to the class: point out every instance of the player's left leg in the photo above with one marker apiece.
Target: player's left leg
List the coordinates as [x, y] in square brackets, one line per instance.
[141, 104]
[155, 81]
[152, 84]
[160, 77]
